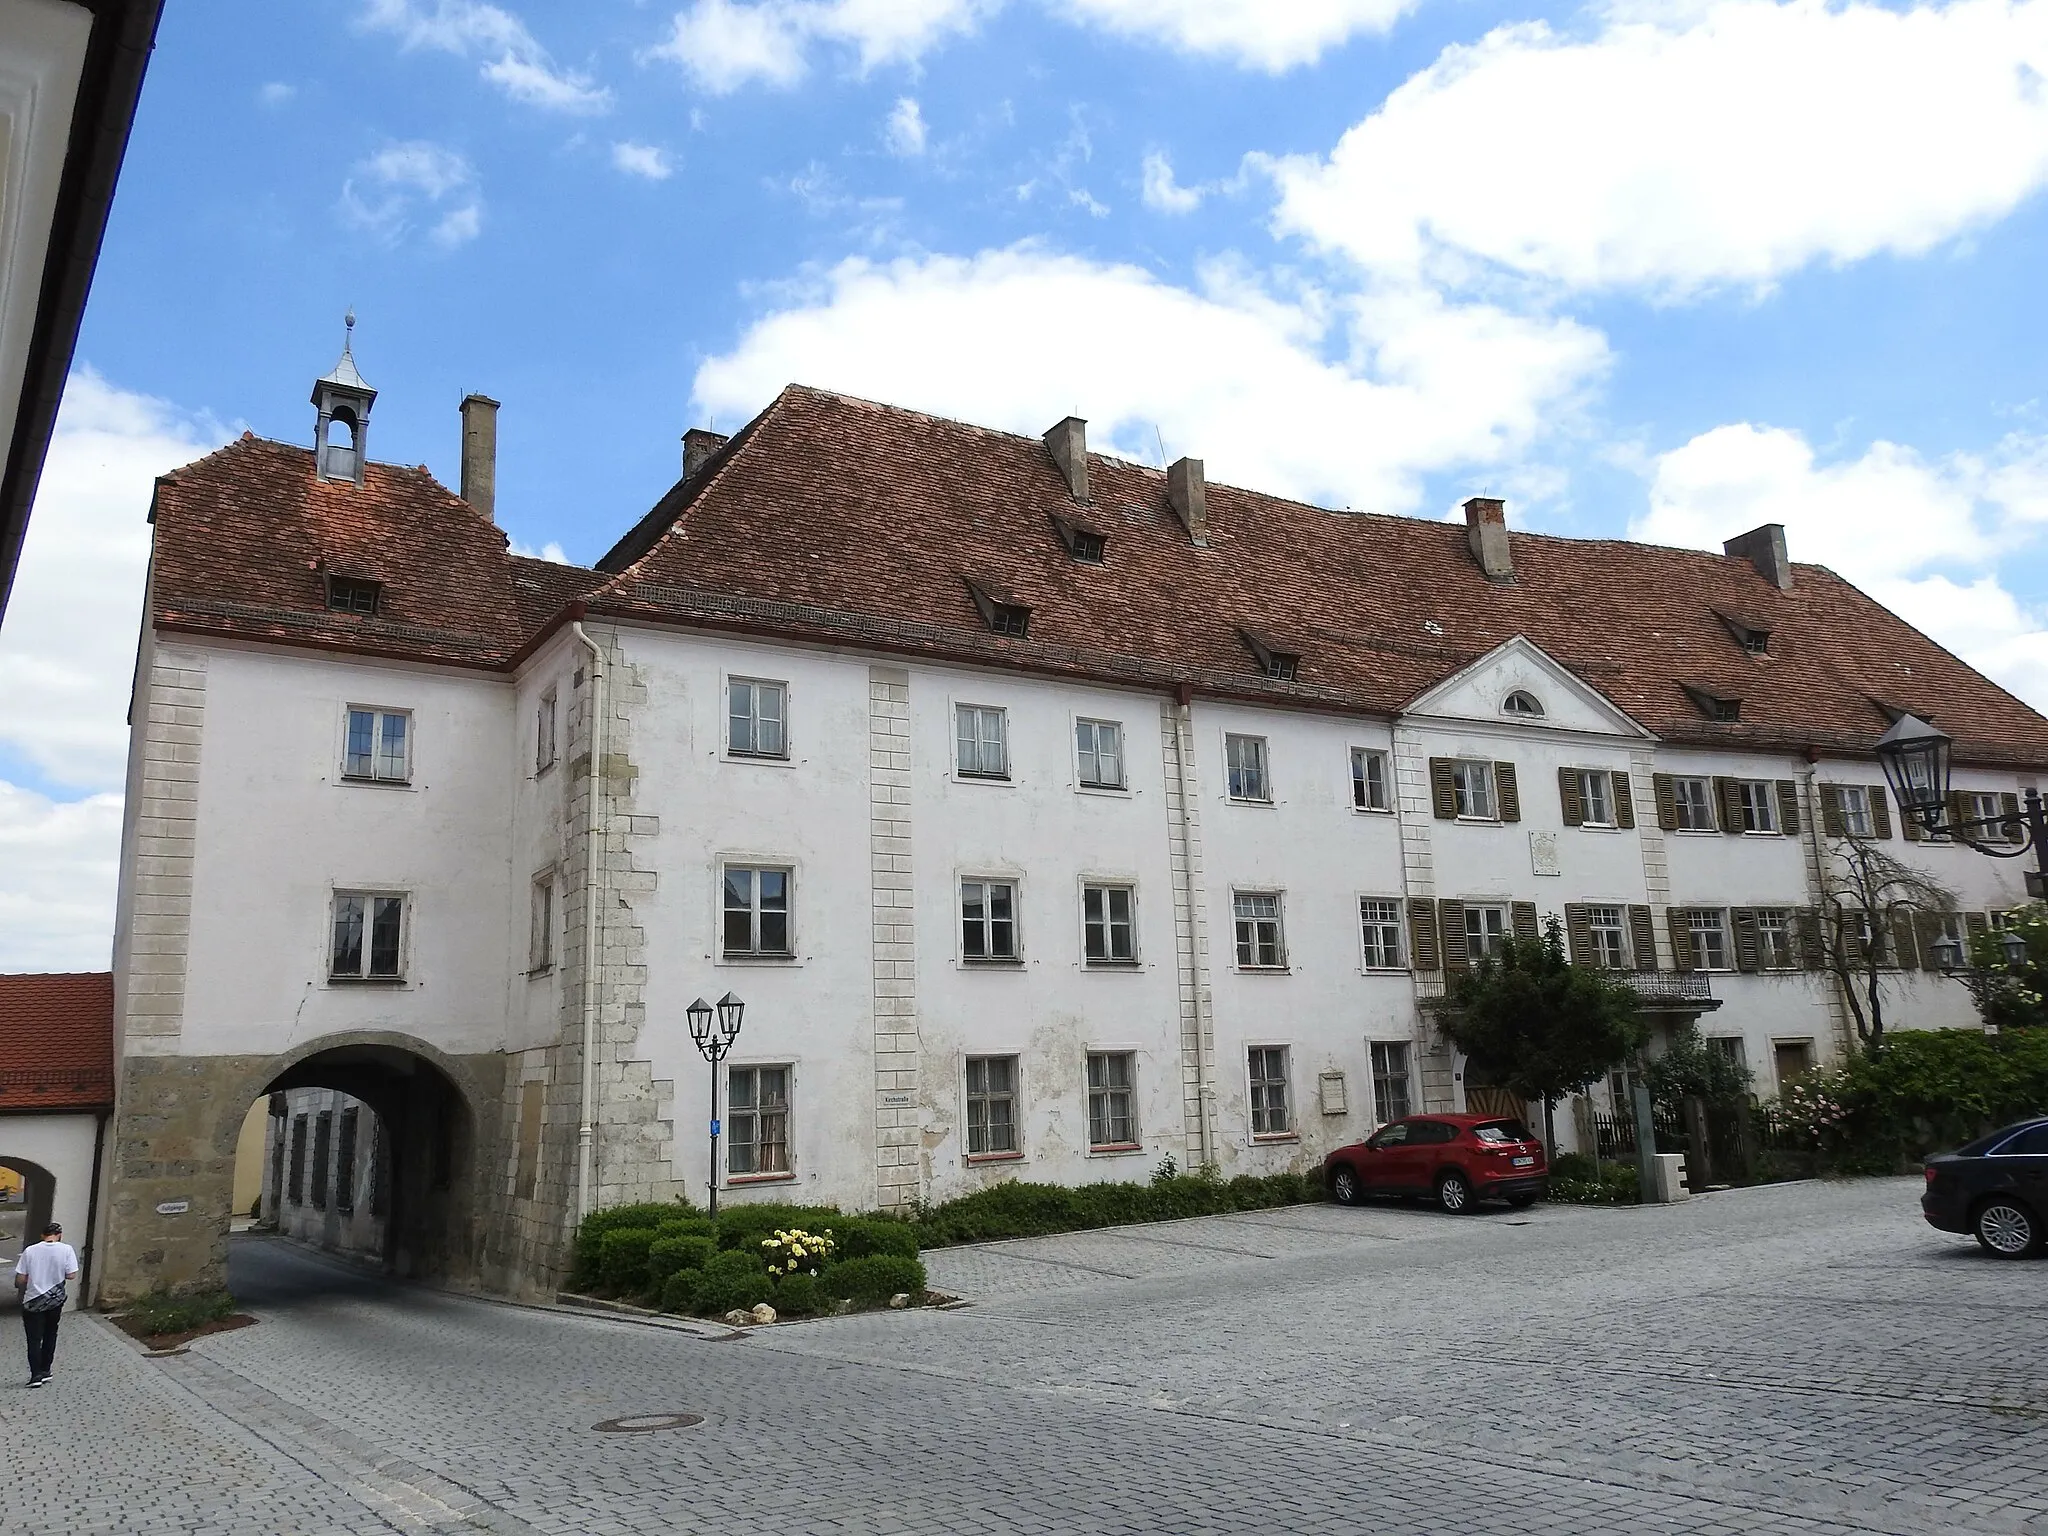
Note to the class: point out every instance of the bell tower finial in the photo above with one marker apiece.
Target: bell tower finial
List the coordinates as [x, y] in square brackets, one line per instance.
[343, 399]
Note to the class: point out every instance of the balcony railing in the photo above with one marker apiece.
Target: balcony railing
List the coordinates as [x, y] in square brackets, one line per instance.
[1660, 991]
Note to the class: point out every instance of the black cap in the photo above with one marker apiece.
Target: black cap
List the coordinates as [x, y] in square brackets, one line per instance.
[53, 1226]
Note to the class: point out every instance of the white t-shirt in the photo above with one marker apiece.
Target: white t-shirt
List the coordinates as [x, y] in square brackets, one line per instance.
[45, 1264]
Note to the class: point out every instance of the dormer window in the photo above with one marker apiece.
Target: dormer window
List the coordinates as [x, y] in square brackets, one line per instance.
[1276, 662]
[1750, 635]
[351, 594]
[1081, 541]
[1000, 611]
[1522, 705]
[1894, 713]
[1715, 706]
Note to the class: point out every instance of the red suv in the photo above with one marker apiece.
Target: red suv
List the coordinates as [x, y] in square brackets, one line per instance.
[1456, 1159]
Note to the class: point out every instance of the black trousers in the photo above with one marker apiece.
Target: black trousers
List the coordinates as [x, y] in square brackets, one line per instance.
[41, 1328]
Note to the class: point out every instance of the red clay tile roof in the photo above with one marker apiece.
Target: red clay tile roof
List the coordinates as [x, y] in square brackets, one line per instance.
[57, 1041]
[839, 519]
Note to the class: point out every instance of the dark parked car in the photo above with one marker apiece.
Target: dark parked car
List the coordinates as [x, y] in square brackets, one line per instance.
[1996, 1189]
[1456, 1159]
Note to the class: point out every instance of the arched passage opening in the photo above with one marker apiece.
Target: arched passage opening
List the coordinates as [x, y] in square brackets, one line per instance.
[29, 1198]
[370, 1147]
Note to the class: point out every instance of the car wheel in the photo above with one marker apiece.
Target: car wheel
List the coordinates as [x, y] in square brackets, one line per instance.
[1521, 1202]
[1454, 1193]
[1345, 1186]
[2006, 1229]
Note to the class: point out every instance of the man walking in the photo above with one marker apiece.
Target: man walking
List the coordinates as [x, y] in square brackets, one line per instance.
[41, 1275]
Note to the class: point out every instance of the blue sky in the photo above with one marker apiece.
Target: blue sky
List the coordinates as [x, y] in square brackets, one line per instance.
[1665, 270]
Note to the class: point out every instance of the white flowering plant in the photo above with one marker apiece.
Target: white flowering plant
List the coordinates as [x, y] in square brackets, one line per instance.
[1814, 1105]
[797, 1251]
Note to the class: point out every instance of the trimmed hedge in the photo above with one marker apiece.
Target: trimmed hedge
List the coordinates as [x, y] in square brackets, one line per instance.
[743, 1226]
[622, 1259]
[872, 1281]
[668, 1254]
[591, 1230]
[733, 1278]
[797, 1296]
[679, 1290]
[1576, 1179]
[1020, 1209]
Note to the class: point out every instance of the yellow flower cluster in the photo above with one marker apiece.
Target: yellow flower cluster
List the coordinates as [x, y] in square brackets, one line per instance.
[788, 1252]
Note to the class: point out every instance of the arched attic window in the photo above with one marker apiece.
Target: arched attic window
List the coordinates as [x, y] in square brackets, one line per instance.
[1522, 705]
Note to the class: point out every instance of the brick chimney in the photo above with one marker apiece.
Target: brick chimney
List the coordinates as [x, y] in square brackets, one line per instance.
[698, 446]
[1486, 530]
[480, 454]
[1188, 490]
[1068, 443]
[1764, 548]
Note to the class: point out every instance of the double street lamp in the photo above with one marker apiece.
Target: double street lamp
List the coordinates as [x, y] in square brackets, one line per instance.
[715, 1043]
[1917, 763]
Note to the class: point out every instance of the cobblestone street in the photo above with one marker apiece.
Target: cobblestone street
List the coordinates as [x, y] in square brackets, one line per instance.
[1807, 1358]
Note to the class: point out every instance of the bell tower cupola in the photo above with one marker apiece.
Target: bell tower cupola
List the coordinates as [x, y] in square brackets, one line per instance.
[343, 399]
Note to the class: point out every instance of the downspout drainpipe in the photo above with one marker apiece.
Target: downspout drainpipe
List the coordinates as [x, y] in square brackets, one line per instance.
[1184, 731]
[92, 1210]
[586, 1130]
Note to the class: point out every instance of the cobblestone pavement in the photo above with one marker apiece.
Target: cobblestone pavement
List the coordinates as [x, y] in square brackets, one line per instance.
[1809, 1358]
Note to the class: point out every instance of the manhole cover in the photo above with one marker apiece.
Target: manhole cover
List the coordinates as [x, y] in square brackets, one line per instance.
[648, 1423]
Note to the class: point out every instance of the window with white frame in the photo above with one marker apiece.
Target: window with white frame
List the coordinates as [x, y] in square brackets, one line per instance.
[1472, 787]
[1596, 798]
[1245, 761]
[1109, 933]
[1707, 927]
[368, 941]
[1271, 1113]
[1389, 1080]
[756, 717]
[544, 733]
[1261, 945]
[756, 912]
[982, 733]
[1980, 807]
[1379, 923]
[1099, 751]
[757, 1121]
[1486, 928]
[988, 920]
[1693, 798]
[1609, 928]
[1730, 1049]
[379, 746]
[540, 939]
[1774, 939]
[1371, 788]
[1759, 805]
[1112, 1100]
[991, 1106]
[1856, 818]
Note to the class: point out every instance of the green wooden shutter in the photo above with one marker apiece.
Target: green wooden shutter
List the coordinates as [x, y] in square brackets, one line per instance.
[1728, 795]
[2015, 829]
[1831, 821]
[1578, 933]
[1666, 795]
[1443, 793]
[1451, 933]
[1788, 807]
[1681, 938]
[1522, 918]
[1813, 952]
[1507, 791]
[1423, 952]
[1624, 802]
[1642, 932]
[1748, 949]
[1909, 825]
[1903, 946]
[1880, 811]
[1975, 926]
[1928, 929]
[1570, 797]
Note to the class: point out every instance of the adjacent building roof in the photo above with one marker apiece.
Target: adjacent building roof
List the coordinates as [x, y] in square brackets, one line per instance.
[57, 1041]
[836, 520]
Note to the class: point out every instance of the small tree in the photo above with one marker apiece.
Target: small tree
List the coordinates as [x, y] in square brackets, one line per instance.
[1866, 895]
[1539, 1025]
[2012, 996]
[1689, 1070]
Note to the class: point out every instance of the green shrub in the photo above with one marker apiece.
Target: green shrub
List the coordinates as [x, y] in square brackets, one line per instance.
[743, 1226]
[796, 1295]
[591, 1230]
[1019, 1209]
[733, 1278]
[622, 1259]
[871, 1281]
[862, 1237]
[679, 1290]
[1576, 1183]
[687, 1226]
[666, 1255]
[161, 1311]
[1927, 1091]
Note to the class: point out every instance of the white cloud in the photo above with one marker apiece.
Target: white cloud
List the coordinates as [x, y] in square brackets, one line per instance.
[1921, 536]
[1349, 403]
[1729, 142]
[512, 59]
[275, 94]
[726, 44]
[1273, 35]
[551, 551]
[904, 131]
[642, 160]
[67, 651]
[389, 193]
[1162, 193]
[59, 865]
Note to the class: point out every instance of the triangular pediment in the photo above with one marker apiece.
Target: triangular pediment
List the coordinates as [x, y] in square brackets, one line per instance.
[1482, 690]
